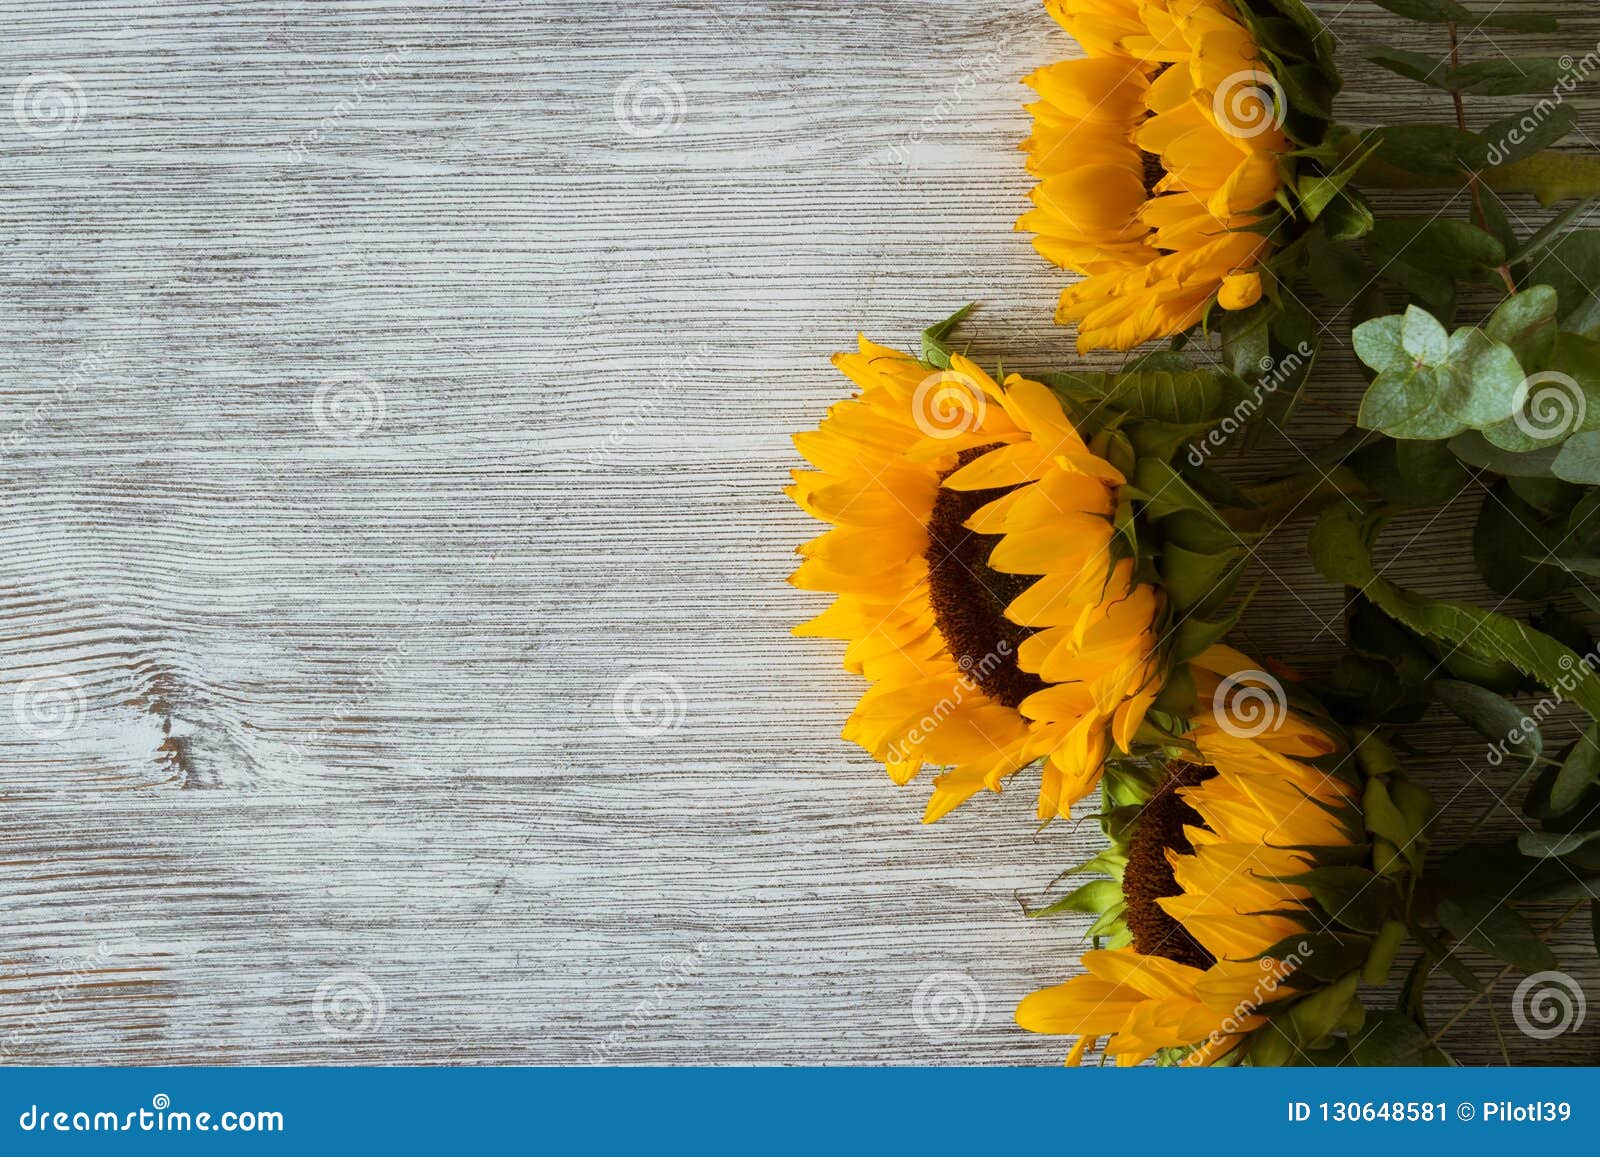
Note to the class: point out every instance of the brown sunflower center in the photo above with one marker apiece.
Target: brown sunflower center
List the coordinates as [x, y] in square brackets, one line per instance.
[1149, 877]
[1154, 172]
[969, 599]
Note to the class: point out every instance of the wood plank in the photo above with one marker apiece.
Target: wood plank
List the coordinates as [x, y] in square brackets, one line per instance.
[377, 411]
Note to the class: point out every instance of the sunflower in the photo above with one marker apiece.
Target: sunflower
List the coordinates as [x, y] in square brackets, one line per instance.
[982, 587]
[1155, 156]
[1219, 895]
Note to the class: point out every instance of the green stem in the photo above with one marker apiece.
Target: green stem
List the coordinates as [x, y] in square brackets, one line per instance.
[1474, 184]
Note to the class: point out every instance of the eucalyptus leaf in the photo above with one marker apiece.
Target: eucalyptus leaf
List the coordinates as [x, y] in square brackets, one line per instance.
[1428, 11]
[1521, 135]
[1441, 385]
[1439, 245]
[1423, 338]
[1552, 845]
[1432, 474]
[1475, 450]
[1578, 460]
[1579, 772]
[1571, 265]
[1489, 925]
[1521, 317]
[1393, 1039]
[1491, 716]
[1341, 549]
[1512, 543]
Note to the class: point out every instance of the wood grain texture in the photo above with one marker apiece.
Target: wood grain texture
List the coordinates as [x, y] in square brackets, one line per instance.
[395, 663]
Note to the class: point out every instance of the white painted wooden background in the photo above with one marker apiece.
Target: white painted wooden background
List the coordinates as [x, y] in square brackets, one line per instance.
[390, 391]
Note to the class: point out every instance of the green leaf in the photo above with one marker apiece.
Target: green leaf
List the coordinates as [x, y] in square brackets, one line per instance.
[1506, 77]
[1431, 474]
[1578, 460]
[1392, 1039]
[1180, 397]
[1522, 135]
[1384, 818]
[1511, 543]
[1380, 342]
[1199, 582]
[1428, 11]
[1439, 245]
[1491, 716]
[1419, 66]
[1589, 567]
[1433, 150]
[1475, 450]
[935, 350]
[1340, 548]
[1552, 845]
[1324, 956]
[1355, 897]
[1552, 231]
[1444, 386]
[1579, 772]
[1390, 937]
[1571, 266]
[1313, 1018]
[1557, 401]
[1550, 175]
[1423, 338]
[1095, 897]
[1449, 12]
[1497, 17]
[1523, 315]
[1487, 924]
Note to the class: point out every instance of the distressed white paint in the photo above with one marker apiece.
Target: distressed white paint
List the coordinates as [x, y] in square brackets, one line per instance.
[348, 697]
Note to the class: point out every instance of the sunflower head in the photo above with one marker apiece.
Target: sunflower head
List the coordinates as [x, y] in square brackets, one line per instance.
[1169, 158]
[1260, 873]
[996, 553]
[981, 582]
